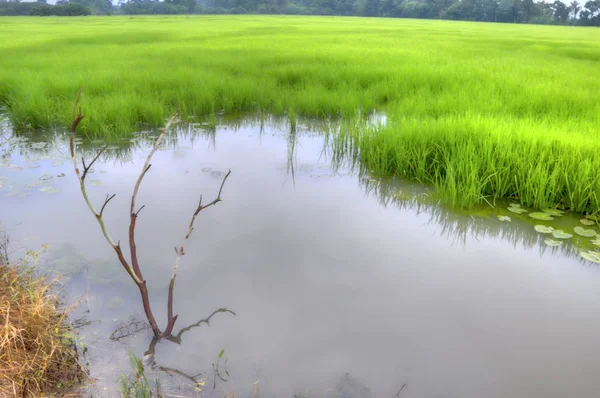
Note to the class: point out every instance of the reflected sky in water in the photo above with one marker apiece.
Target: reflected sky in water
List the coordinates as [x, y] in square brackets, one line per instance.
[326, 276]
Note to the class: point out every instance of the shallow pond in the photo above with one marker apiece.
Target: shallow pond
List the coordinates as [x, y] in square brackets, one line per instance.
[342, 284]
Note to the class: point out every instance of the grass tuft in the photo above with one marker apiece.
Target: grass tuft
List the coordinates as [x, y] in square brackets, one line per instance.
[38, 354]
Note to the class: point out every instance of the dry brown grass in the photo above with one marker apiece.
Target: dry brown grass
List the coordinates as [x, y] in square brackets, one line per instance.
[38, 352]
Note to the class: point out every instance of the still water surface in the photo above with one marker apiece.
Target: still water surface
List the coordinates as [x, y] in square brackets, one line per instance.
[336, 289]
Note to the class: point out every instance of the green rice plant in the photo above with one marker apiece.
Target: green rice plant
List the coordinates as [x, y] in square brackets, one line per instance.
[482, 111]
[136, 384]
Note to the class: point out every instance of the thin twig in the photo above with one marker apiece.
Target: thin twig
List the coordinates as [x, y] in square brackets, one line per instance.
[180, 252]
[133, 214]
[108, 199]
[77, 117]
[89, 166]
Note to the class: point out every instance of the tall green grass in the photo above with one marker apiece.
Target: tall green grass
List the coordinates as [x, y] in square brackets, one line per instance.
[480, 110]
[474, 159]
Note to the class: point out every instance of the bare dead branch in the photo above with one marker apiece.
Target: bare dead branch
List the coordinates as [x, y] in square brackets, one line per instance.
[218, 198]
[108, 199]
[133, 215]
[140, 209]
[180, 252]
[133, 267]
[87, 168]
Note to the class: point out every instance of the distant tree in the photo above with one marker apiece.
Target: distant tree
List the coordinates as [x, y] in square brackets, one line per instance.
[574, 8]
[372, 8]
[561, 12]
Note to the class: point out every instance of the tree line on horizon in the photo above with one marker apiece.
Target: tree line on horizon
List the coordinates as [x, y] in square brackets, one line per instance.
[506, 11]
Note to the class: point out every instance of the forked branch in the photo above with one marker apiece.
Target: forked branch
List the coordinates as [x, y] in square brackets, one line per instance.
[133, 268]
[180, 252]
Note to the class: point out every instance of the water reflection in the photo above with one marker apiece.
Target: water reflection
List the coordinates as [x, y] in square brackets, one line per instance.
[461, 226]
[341, 283]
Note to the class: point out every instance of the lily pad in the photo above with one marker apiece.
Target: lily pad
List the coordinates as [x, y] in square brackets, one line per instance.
[586, 233]
[49, 190]
[516, 209]
[560, 234]
[46, 177]
[591, 255]
[587, 222]
[58, 163]
[504, 218]
[96, 183]
[552, 242]
[543, 229]
[541, 216]
[61, 175]
[554, 212]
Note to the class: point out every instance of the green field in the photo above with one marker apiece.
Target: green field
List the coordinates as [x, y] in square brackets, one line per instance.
[480, 110]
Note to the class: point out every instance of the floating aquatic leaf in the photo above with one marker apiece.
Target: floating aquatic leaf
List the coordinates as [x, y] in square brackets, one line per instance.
[58, 163]
[45, 177]
[554, 212]
[516, 209]
[504, 218]
[595, 241]
[552, 242]
[15, 167]
[61, 175]
[587, 233]
[49, 190]
[207, 169]
[543, 229]
[34, 166]
[587, 222]
[560, 234]
[96, 183]
[590, 255]
[541, 216]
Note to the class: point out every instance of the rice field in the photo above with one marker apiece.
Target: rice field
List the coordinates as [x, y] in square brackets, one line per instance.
[482, 111]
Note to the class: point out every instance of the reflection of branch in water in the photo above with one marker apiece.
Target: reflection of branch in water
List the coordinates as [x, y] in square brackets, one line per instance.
[134, 326]
[150, 359]
[129, 329]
